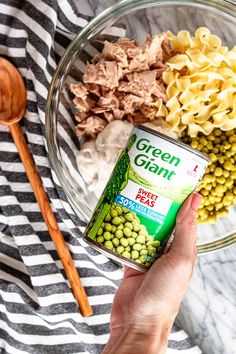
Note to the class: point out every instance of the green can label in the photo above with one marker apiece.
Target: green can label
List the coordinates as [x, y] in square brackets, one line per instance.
[136, 213]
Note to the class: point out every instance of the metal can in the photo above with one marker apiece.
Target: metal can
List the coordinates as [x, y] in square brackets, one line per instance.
[136, 214]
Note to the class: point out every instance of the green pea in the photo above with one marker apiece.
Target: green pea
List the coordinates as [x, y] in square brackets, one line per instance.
[120, 249]
[156, 243]
[217, 132]
[103, 224]
[108, 217]
[228, 166]
[100, 239]
[138, 261]
[148, 264]
[116, 220]
[233, 147]
[221, 180]
[207, 178]
[131, 241]
[134, 255]
[129, 217]
[137, 247]
[114, 213]
[128, 248]
[229, 196]
[144, 247]
[124, 242]
[194, 144]
[218, 171]
[149, 243]
[100, 231]
[151, 251]
[220, 189]
[125, 210]
[142, 259]
[136, 227]
[107, 235]
[127, 232]
[136, 220]
[203, 141]
[108, 227]
[229, 182]
[126, 254]
[141, 239]
[122, 218]
[129, 225]
[143, 252]
[134, 234]
[119, 210]
[113, 230]
[149, 238]
[108, 244]
[143, 233]
[119, 234]
[115, 242]
[120, 227]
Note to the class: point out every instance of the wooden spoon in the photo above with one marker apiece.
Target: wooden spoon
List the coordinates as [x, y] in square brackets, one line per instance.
[12, 109]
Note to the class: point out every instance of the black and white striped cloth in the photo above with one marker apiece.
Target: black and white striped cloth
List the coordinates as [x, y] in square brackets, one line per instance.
[38, 313]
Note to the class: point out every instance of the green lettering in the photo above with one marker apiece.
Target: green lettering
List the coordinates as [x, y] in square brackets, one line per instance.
[141, 144]
[156, 152]
[154, 168]
[166, 156]
[172, 173]
[165, 174]
[173, 159]
[148, 163]
[140, 160]
[150, 147]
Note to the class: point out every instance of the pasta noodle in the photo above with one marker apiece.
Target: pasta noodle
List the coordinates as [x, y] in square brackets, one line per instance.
[201, 84]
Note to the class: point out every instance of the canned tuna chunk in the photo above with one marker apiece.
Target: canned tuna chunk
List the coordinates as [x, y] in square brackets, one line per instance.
[136, 214]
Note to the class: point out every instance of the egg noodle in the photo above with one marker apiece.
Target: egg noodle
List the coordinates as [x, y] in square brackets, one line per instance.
[201, 84]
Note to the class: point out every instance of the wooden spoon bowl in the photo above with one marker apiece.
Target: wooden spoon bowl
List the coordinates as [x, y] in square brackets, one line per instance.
[12, 94]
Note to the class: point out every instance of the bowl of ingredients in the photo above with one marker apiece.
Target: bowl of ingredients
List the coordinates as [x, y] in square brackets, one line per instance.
[167, 65]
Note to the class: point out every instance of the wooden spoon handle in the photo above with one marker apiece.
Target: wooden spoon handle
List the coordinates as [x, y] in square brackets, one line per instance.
[50, 220]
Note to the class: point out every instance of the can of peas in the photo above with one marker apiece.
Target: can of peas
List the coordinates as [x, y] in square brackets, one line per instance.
[136, 214]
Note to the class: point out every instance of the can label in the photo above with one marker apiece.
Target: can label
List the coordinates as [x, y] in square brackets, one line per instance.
[136, 213]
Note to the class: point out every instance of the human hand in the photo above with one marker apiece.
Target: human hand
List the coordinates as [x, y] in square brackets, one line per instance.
[146, 304]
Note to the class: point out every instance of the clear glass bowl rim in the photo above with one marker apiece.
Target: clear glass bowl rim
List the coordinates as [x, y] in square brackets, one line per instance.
[112, 14]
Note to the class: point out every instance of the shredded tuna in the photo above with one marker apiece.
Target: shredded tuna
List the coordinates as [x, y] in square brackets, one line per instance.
[105, 73]
[84, 104]
[142, 84]
[91, 126]
[80, 116]
[121, 83]
[79, 90]
[153, 49]
[113, 51]
[130, 103]
[94, 89]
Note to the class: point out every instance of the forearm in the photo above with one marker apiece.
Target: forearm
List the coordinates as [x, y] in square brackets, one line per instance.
[139, 341]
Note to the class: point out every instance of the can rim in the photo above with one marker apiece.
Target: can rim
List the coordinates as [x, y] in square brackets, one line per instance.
[174, 141]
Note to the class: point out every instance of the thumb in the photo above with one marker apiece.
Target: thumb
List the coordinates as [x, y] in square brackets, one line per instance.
[184, 242]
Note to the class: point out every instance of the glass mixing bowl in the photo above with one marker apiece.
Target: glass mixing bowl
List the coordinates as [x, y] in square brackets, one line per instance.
[133, 19]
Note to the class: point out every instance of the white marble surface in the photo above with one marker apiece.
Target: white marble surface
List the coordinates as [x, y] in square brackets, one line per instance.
[208, 312]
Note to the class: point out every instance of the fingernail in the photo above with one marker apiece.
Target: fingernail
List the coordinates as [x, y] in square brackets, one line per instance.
[196, 200]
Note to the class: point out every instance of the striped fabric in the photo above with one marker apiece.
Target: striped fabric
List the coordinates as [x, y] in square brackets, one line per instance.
[38, 313]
